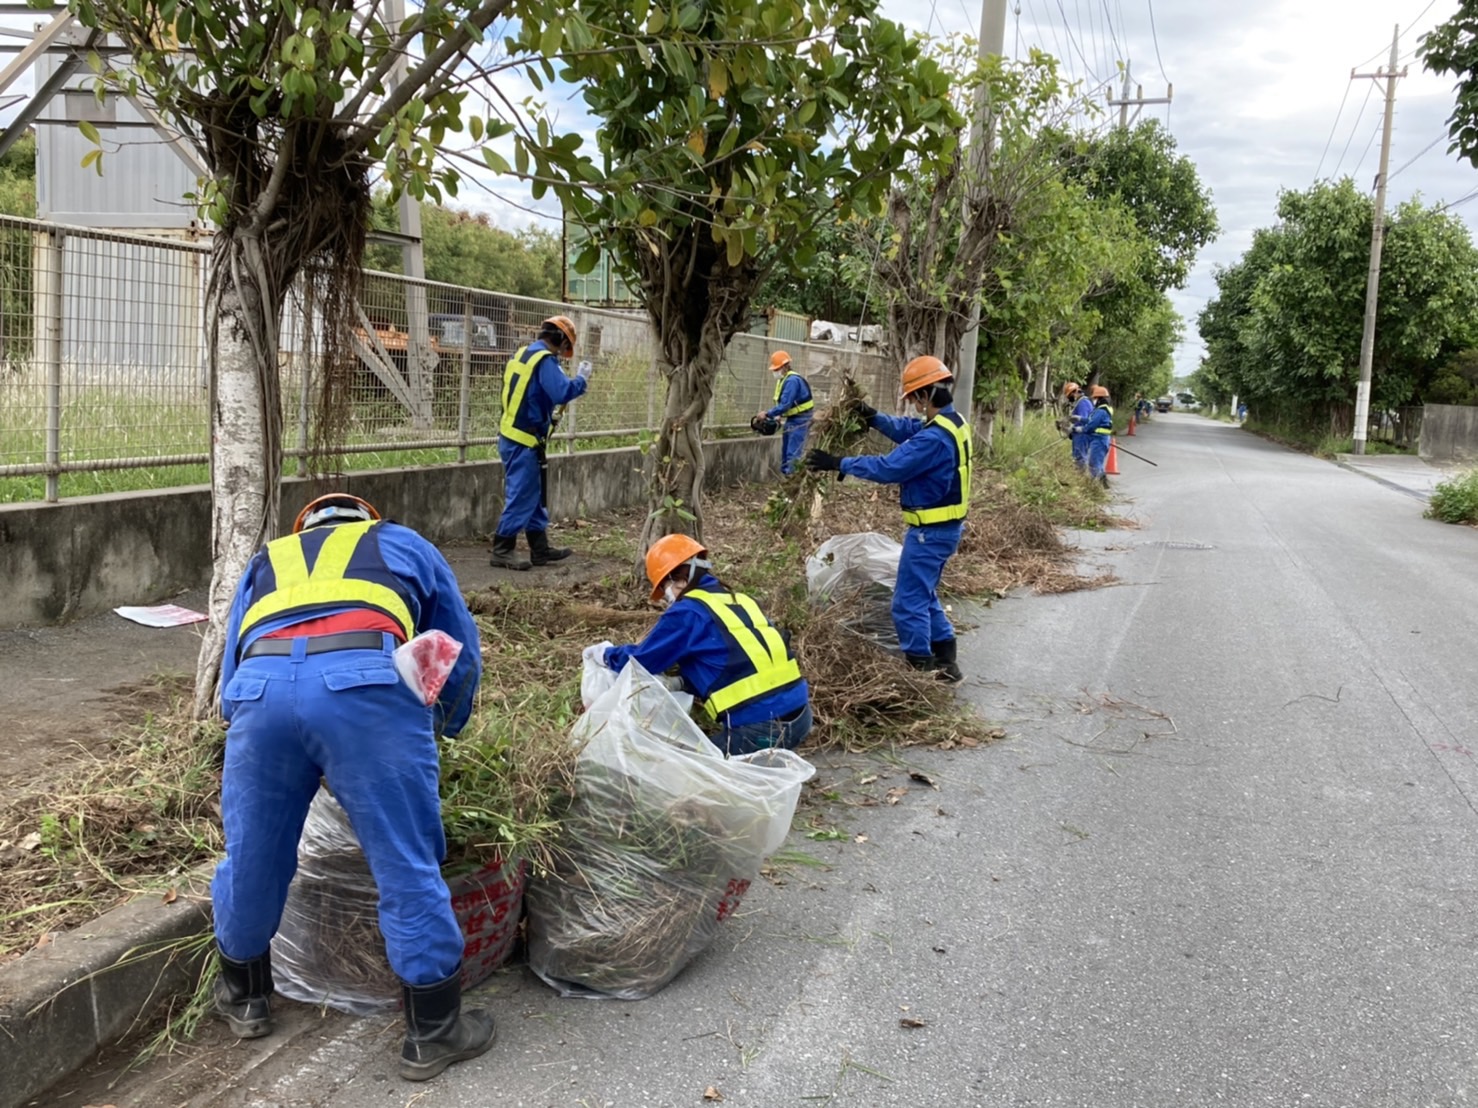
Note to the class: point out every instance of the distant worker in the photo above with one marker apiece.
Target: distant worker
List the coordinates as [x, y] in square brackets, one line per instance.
[310, 690]
[534, 389]
[1079, 412]
[725, 650]
[931, 465]
[794, 405]
[1241, 413]
[1099, 431]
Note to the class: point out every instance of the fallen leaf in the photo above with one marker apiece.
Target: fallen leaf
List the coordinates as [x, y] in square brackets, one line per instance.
[894, 795]
[909, 1021]
[860, 839]
[922, 778]
[997, 733]
[31, 841]
[44, 940]
[868, 780]
[170, 897]
[711, 1093]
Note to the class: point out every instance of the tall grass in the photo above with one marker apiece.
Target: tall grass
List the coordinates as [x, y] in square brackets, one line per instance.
[1456, 500]
[1035, 463]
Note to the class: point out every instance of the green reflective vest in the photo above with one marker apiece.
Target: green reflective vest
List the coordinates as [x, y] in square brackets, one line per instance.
[348, 570]
[957, 504]
[763, 663]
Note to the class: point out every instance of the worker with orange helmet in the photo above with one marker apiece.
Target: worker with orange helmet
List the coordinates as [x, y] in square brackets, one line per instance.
[725, 650]
[535, 388]
[932, 466]
[1099, 431]
[1082, 409]
[793, 404]
[310, 689]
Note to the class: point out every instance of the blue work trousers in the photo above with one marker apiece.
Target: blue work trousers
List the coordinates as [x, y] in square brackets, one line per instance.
[749, 737]
[1098, 448]
[918, 616]
[1080, 449]
[346, 716]
[523, 494]
[793, 443]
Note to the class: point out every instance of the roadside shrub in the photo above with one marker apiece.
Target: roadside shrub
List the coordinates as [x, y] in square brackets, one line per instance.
[1456, 501]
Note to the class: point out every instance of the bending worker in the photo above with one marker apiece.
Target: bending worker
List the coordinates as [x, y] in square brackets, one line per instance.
[534, 386]
[1082, 410]
[793, 403]
[1098, 429]
[310, 691]
[931, 465]
[725, 650]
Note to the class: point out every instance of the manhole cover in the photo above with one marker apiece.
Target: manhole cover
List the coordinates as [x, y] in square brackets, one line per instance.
[1175, 544]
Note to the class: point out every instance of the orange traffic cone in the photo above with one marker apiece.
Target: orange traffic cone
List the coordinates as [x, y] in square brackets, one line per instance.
[1131, 426]
[1111, 467]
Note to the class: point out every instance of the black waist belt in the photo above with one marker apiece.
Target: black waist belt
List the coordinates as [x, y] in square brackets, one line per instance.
[319, 644]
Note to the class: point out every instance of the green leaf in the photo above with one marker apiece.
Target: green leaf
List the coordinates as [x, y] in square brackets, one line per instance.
[495, 161]
[90, 133]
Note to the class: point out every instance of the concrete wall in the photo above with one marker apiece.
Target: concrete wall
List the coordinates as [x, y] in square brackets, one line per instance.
[1449, 433]
[93, 553]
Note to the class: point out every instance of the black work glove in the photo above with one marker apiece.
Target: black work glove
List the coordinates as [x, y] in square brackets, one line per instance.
[865, 412]
[820, 461]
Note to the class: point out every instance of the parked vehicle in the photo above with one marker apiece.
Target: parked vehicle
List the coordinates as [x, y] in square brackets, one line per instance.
[1164, 403]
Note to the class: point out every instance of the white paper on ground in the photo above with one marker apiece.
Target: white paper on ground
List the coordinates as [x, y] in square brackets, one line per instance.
[162, 615]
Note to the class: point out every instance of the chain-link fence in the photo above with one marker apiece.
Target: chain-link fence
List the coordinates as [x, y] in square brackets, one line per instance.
[104, 385]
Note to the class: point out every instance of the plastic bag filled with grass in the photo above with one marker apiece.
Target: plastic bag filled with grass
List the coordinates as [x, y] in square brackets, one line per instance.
[661, 842]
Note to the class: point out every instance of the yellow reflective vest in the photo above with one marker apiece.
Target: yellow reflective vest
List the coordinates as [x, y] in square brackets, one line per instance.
[957, 500]
[348, 570]
[759, 661]
[516, 380]
[804, 406]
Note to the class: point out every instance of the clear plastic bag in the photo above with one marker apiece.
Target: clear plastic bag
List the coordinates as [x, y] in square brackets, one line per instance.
[328, 948]
[596, 678]
[858, 572]
[664, 837]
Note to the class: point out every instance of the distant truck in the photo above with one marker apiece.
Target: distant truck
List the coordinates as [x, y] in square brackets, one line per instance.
[1164, 403]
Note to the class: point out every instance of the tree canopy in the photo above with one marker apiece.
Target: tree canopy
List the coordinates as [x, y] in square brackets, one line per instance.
[1452, 48]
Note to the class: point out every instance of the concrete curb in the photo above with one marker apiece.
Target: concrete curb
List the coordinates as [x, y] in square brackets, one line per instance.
[61, 1003]
[1365, 471]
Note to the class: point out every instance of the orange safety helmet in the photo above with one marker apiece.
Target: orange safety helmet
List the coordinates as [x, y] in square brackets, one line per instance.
[1070, 388]
[1098, 392]
[923, 371]
[334, 507]
[779, 360]
[669, 553]
[565, 326]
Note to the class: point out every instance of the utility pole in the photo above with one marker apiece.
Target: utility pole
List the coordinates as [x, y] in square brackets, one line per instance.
[1124, 103]
[992, 42]
[1377, 239]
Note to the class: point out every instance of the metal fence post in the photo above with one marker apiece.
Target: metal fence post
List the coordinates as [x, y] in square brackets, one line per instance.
[50, 247]
[464, 396]
[305, 388]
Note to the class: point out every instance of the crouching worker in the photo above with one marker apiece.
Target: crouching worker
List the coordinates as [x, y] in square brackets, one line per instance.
[725, 650]
[310, 691]
[931, 465]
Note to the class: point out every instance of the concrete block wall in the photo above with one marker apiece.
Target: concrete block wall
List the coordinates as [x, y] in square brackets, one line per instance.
[90, 554]
[1449, 433]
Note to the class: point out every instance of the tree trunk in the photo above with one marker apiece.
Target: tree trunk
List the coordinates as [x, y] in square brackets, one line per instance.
[243, 319]
[676, 503]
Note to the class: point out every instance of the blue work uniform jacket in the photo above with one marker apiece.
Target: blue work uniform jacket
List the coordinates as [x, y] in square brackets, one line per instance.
[924, 467]
[1082, 412]
[548, 388]
[689, 636]
[1100, 422]
[426, 585]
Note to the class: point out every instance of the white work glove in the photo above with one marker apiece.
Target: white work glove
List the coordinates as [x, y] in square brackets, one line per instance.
[584, 370]
[675, 684]
[596, 653]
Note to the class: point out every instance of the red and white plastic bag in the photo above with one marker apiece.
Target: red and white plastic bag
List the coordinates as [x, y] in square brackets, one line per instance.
[425, 662]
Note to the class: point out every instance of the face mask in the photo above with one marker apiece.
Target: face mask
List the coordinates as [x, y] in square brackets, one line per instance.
[671, 592]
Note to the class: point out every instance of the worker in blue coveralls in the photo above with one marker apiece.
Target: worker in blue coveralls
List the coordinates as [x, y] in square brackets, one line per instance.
[725, 650]
[793, 403]
[310, 691]
[1078, 415]
[931, 465]
[534, 387]
[1098, 429]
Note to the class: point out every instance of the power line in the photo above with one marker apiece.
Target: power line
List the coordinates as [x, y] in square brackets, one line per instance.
[1356, 126]
[1429, 146]
[1384, 51]
[1332, 129]
[1156, 38]
[1068, 27]
[1459, 200]
[1113, 35]
[1355, 173]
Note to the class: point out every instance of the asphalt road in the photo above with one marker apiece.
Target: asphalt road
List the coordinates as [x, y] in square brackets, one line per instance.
[1225, 856]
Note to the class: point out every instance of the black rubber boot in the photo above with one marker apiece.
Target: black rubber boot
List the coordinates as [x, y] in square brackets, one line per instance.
[540, 550]
[438, 1032]
[242, 995]
[946, 651]
[921, 661]
[505, 553]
